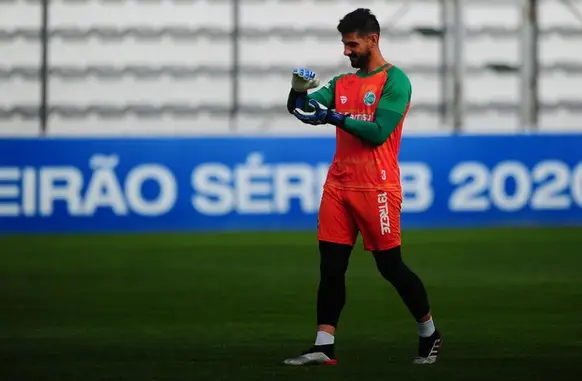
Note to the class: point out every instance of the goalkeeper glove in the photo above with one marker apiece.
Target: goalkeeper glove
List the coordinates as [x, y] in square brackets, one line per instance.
[319, 115]
[303, 80]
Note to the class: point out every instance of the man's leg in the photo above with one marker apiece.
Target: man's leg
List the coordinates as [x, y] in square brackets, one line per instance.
[331, 294]
[337, 233]
[413, 294]
[378, 217]
[405, 281]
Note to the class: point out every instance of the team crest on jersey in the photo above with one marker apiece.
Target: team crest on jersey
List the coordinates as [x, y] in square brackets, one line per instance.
[369, 98]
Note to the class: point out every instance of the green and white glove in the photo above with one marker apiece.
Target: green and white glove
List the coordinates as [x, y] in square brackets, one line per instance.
[303, 80]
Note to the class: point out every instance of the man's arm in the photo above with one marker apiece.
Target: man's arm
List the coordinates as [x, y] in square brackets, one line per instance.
[389, 113]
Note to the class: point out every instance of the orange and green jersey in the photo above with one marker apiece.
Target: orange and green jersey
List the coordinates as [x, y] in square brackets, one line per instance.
[368, 144]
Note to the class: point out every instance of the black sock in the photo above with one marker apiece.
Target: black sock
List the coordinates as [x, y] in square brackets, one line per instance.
[405, 281]
[331, 294]
[327, 349]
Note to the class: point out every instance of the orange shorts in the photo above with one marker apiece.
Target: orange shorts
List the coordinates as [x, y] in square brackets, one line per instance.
[375, 214]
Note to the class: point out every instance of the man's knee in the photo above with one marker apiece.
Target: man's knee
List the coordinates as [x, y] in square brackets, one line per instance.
[389, 263]
[335, 258]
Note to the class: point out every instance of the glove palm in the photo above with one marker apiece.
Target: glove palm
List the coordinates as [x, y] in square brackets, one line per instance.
[319, 114]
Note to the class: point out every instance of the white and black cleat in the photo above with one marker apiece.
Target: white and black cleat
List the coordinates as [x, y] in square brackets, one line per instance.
[316, 355]
[429, 349]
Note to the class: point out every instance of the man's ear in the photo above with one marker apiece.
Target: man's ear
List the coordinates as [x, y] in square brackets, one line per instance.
[373, 40]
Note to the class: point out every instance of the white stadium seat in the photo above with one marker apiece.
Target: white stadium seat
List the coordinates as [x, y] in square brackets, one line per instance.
[131, 67]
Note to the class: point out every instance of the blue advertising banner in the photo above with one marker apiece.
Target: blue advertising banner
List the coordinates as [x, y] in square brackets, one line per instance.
[213, 184]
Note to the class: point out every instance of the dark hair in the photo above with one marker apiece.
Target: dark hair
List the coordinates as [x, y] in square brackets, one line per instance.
[361, 21]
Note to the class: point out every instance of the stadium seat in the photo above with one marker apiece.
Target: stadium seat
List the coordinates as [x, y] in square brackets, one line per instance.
[134, 67]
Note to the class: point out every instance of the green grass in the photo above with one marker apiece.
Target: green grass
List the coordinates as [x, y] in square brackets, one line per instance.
[232, 306]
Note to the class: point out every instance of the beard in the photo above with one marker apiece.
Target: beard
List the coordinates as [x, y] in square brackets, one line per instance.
[360, 61]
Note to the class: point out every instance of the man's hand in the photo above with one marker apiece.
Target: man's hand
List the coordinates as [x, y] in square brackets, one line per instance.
[303, 80]
[319, 115]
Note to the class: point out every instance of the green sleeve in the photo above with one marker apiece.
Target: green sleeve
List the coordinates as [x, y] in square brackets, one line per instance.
[395, 98]
[396, 93]
[325, 95]
[375, 132]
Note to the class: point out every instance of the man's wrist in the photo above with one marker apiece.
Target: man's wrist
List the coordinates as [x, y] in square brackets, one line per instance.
[298, 93]
[295, 100]
[335, 118]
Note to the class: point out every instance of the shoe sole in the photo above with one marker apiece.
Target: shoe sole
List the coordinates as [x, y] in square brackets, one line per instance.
[328, 362]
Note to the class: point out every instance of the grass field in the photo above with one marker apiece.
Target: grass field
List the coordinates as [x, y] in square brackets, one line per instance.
[231, 307]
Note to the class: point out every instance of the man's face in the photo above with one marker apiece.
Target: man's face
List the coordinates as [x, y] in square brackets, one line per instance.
[358, 48]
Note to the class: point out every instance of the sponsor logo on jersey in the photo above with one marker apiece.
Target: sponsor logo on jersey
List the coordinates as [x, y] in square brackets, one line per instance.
[363, 117]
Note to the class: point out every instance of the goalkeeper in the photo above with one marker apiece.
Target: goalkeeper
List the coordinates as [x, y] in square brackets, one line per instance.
[362, 192]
